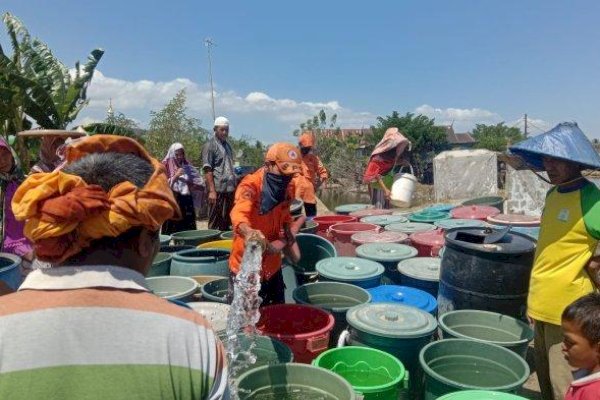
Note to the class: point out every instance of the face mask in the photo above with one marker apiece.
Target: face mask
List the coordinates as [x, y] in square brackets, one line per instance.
[305, 150]
[274, 190]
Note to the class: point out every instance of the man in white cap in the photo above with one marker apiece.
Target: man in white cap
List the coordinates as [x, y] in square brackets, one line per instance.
[217, 163]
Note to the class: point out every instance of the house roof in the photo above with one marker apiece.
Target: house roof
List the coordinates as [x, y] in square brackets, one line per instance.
[458, 138]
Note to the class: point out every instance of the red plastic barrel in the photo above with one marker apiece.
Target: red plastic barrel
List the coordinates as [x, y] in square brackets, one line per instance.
[381, 237]
[370, 212]
[514, 220]
[474, 212]
[305, 329]
[341, 236]
[428, 243]
[326, 221]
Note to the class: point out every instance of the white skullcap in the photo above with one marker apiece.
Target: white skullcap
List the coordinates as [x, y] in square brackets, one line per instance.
[221, 121]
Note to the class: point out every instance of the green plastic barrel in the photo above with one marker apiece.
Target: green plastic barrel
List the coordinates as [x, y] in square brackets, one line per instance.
[216, 290]
[309, 227]
[201, 262]
[266, 350]
[388, 255]
[491, 201]
[410, 227]
[196, 237]
[346, 209]
[175, 249]
[165, 240]
[226, 235]
[334, 297]
[293, 381]
[458, 364]
[374, 374]
[488, 327]
[428, 216]
[313, 248]
[161, 265]
[480, 395]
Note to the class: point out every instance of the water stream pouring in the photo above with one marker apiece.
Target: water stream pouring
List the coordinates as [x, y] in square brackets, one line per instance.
[244, 315]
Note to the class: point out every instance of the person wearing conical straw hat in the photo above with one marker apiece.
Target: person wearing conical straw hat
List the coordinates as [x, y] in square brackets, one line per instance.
[565, 266]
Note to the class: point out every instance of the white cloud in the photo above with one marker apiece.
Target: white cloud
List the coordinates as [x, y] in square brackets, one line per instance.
[137, 98]
[462, 117]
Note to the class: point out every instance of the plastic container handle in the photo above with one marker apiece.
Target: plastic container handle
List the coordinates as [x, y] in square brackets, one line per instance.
[412, 171]
[435, 251]
[342, 338]
[405, 381]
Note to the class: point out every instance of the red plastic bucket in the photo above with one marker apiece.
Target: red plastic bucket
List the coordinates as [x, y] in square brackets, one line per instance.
[305, 329]
[428, 243]
[341, 236]
[326, 221]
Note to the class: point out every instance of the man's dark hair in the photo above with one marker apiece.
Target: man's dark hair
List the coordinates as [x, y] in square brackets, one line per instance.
[585, 312]
[108, 170]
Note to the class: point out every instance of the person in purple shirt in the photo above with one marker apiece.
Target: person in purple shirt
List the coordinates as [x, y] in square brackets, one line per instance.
[11, 231]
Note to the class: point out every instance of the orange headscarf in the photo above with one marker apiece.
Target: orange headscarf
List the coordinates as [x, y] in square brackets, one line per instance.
[63, 214]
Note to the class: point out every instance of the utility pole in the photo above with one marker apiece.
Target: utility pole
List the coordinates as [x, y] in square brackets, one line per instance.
[525, 119]
[209, 43]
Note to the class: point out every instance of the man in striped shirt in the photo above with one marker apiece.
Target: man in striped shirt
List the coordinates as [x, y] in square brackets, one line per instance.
[89, 328]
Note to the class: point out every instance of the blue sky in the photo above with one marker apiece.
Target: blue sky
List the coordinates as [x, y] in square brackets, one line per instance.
[278, 62]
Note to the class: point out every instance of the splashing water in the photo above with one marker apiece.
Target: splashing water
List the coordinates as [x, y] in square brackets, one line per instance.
[244, 315]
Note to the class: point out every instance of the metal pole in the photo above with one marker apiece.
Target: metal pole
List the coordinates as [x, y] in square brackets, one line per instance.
[525, 118]
[208, 42]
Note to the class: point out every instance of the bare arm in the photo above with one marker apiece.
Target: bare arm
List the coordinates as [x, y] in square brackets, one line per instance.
[593, 269]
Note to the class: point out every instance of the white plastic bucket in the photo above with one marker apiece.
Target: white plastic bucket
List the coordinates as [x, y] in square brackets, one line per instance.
[403, 189]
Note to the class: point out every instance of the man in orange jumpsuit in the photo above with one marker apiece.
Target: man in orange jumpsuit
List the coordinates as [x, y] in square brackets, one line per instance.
[261, 212]
[312, 177]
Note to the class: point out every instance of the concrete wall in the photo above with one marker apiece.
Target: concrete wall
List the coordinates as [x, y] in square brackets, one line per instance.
[526, 192]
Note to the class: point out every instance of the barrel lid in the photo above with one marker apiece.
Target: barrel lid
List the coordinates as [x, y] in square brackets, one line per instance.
[480, 395]
[391, 320]
[428, 216]
[510, 243]
[347, 269]
[422, 268]
[458, 223]
[384, 220]
[379, 237]
[348, 208]
[393, 252]
[474, 212]
[429, 238]
[403, 295]
[410, 227]
[533, 232]
[440, 207]
[514, 220]
[367, 212]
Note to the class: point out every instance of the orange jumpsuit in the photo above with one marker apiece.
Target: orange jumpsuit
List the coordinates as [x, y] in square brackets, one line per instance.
[246, 209]
[312, 171]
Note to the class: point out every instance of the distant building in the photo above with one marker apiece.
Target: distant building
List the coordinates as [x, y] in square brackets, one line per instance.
[459, 141]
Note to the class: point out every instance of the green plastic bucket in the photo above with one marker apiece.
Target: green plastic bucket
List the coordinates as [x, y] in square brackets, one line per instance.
[161, 265]
[201, 262]
[196, 237]
[175, 249]
[172, 287]
[266, 350]
[293, 381]
[346, 209]
[313, 249]
[226, 235]
[165, 240]
[388, 255]
[459, 364]
[410, 227]
[334, 297]
[374, 374]
[491, 201]
[488, 327]
[480, 395]
[216, 290]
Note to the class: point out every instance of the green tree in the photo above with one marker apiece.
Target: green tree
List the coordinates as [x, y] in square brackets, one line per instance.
[317, 123]
[496, 137]
[427, 139]
[116, 124]
[172, 124]
[248, 151]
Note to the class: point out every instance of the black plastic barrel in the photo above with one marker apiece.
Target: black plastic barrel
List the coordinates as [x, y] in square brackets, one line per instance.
[491, 277]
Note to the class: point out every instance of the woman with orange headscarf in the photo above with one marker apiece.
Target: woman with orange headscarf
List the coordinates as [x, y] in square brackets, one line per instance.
[379, 174]
[313, 175]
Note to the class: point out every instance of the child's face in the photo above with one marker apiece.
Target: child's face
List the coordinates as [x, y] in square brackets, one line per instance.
[578, 351]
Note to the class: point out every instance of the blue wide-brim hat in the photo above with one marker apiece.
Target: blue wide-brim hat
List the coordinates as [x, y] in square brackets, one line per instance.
[565, 141]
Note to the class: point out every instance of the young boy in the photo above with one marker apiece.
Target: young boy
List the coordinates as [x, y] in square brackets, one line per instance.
[581, 346]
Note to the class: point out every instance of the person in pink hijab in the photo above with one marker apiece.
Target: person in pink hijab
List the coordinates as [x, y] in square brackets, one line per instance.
[379, 174]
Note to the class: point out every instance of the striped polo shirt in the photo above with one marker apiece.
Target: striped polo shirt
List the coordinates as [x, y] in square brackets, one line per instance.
[95, 332]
